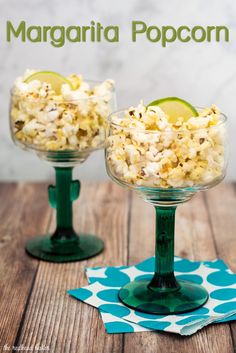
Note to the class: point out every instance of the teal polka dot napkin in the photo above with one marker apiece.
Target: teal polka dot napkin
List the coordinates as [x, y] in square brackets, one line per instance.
[105, 282]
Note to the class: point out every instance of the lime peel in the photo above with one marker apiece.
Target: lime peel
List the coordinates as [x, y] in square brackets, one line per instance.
[56, 80]
[175, 107]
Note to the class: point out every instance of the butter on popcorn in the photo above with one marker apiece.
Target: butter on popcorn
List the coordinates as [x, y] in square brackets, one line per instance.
[145, 149]
[75, 119]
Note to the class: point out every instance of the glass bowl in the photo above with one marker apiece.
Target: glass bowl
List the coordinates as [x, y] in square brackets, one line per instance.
[63, 133]
[165, 168]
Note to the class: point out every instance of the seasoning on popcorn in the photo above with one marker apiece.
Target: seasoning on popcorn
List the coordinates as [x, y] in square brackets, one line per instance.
[74, 118]
[147, 148]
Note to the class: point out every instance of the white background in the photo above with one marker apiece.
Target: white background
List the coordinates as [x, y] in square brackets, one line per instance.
[202, 73]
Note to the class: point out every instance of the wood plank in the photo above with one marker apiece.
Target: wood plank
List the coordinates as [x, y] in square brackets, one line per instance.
[193, 240]
[66, 325]
[23, 213]
[53, 318]
[221, 203]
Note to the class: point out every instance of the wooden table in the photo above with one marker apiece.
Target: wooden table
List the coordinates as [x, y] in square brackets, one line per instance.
[34, 306]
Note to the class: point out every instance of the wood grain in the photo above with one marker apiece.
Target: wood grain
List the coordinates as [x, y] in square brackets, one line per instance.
[34, 306]
[222, 207]
[23, 212]
[54, 318]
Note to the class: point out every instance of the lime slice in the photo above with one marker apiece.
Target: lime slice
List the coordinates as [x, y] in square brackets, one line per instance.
[56, 80]
[175, 107]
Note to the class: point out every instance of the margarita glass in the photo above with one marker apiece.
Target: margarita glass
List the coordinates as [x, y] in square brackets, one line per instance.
[63, 153]
[164, 294]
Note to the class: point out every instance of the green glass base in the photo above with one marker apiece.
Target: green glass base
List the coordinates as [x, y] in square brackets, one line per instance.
[139, 296]
[64, 250]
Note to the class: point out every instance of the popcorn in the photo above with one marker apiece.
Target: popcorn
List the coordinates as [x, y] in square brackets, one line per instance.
[145, 148]
[133, 155]
[152, 169]
[74, 119]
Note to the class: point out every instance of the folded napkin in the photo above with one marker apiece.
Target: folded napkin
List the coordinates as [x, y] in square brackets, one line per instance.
[105, 283]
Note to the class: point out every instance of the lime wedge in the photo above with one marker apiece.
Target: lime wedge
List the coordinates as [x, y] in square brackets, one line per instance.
[175, 107]
[56, 80]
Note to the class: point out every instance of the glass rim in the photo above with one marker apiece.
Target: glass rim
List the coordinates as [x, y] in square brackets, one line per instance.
[223, 121]
[68, 101]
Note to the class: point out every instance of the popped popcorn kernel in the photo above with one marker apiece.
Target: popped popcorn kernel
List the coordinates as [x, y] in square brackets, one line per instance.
[145, 148]
[73, 119]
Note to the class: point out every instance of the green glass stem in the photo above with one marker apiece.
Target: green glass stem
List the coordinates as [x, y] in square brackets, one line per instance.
[61, 198]
[64, 245]
[163, 294]
[164, 278]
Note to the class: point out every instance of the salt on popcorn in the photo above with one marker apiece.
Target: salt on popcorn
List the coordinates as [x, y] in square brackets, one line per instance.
[73, 119]
[146, 149]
